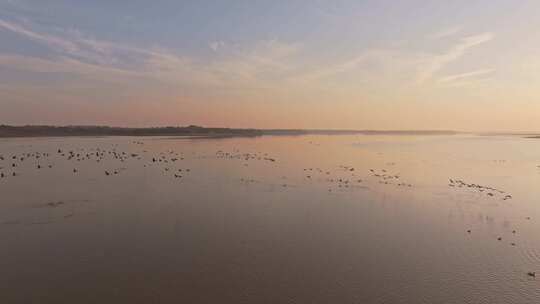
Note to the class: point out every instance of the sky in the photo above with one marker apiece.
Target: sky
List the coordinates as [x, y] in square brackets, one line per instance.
[340, 64]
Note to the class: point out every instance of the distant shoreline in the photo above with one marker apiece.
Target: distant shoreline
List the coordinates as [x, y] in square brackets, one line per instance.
[192, 131]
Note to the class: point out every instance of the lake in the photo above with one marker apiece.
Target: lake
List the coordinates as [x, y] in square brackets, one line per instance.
[272, 219]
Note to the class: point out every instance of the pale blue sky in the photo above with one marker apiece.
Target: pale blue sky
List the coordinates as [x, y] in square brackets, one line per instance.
[312, 64]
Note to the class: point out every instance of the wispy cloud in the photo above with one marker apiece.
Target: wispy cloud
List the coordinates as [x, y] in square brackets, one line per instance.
[51, 41]
[467, 76]
[65, 65]
[73, 52]
[71, 44]
[332, 69]
[216, 45]
[434, 63]
[447, 32]
[263, 64]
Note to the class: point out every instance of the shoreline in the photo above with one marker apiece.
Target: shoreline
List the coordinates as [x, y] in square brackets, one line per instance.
[192, 131]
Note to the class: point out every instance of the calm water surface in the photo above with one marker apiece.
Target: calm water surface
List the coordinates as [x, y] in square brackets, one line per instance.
[308, 219]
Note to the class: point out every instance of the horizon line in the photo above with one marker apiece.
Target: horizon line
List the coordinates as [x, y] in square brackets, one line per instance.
[270, 129]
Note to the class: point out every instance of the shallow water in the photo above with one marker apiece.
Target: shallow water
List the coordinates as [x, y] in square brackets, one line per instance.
[267, 220]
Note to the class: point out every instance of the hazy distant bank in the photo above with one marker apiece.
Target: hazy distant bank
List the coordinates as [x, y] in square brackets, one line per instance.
[519, 134]
[52, 131]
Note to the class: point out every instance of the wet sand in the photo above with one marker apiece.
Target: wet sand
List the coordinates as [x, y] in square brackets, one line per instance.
[276, 219]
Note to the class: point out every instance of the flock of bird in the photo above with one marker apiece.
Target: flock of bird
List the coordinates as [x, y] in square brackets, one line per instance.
[236, 154]
[490, 191]
[332, 178]
[342, 177]
[387, 178]
[44, 160]
[347, 177]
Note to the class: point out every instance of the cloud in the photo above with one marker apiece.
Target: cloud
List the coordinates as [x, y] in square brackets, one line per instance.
[51, 41]
[447, 32]
[72, 45]
[269, 64]
[466, 76]
[333, 69]
[396, 67]
[216, 45]
[263, 64]
[73, 52]
[433, 63]
[68, 66]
